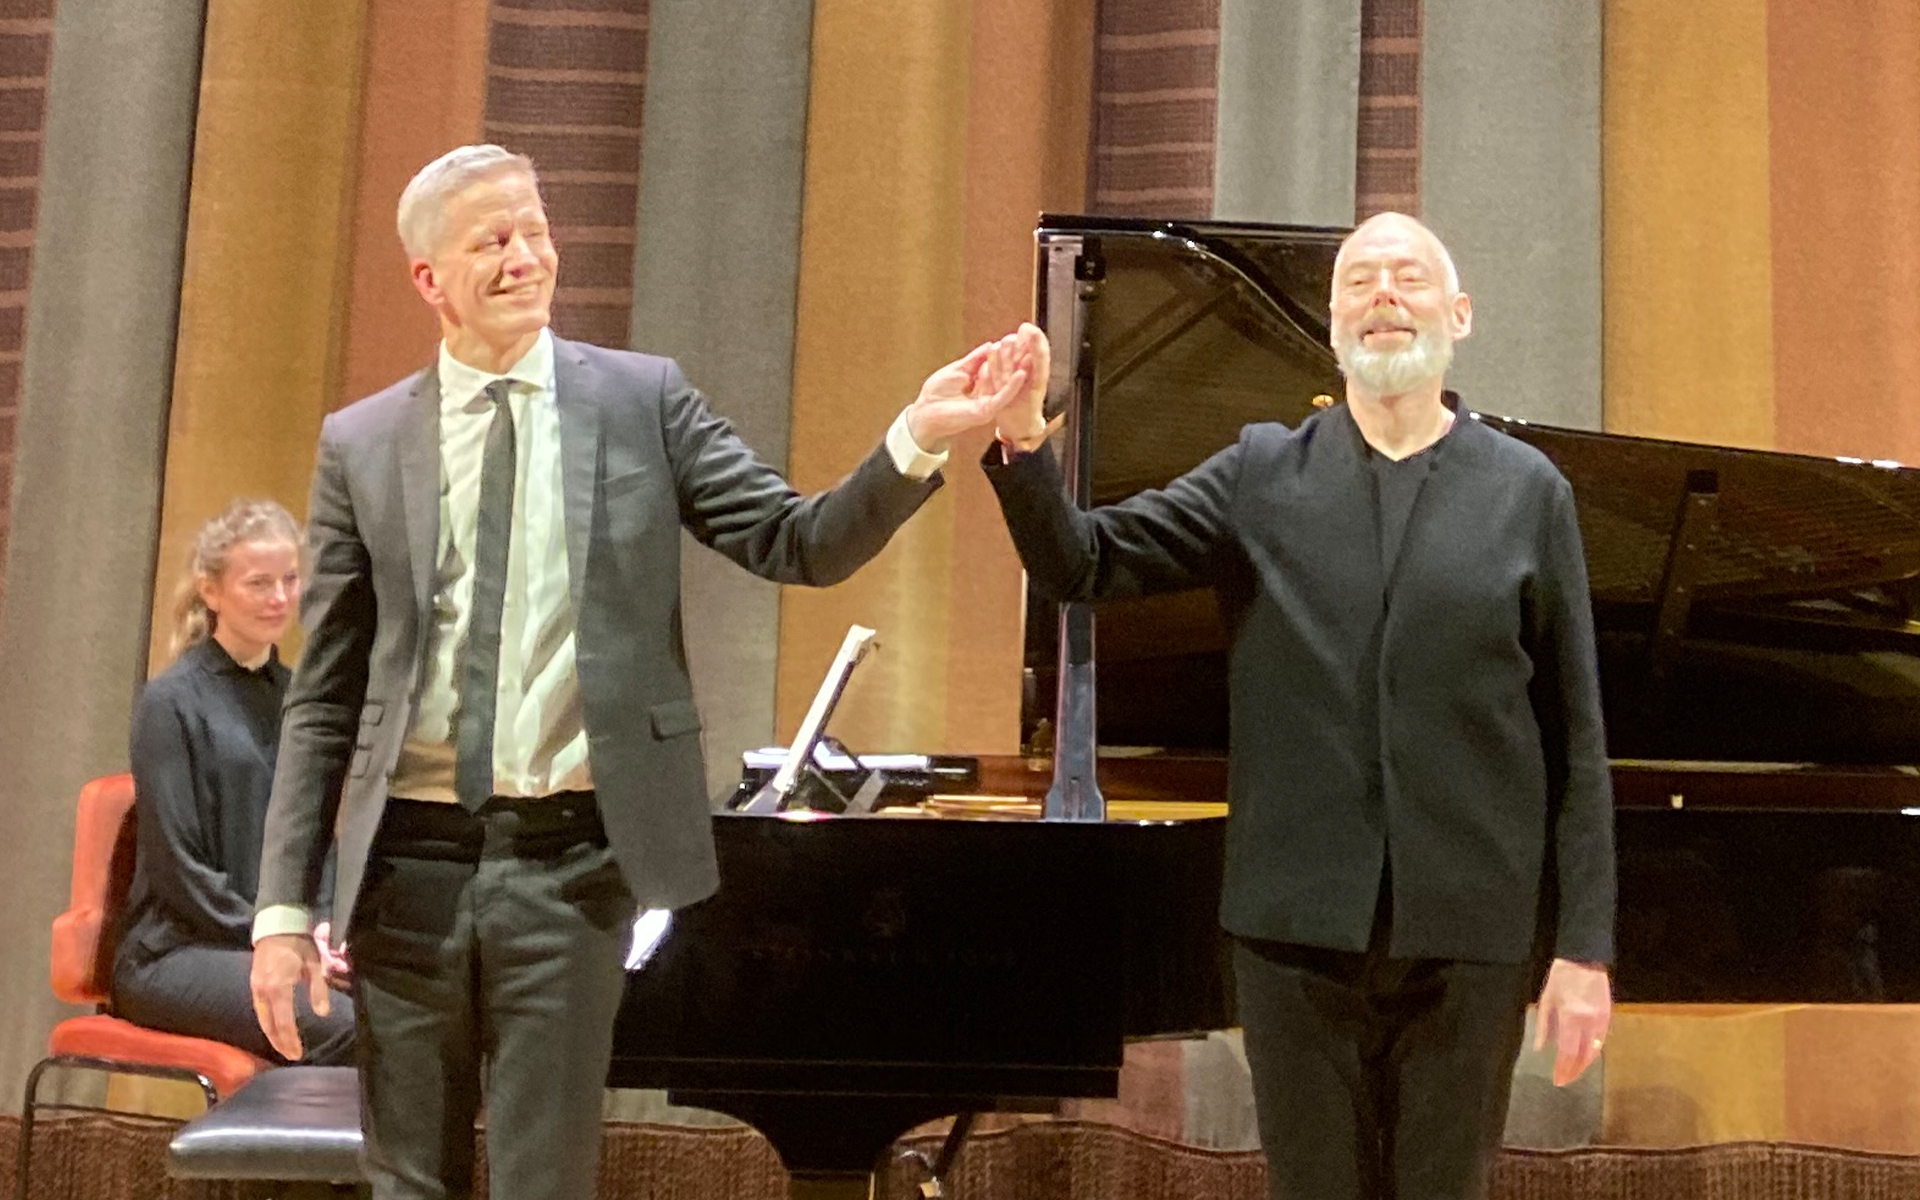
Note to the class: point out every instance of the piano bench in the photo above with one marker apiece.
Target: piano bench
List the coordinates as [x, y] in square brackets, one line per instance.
[290, 1124]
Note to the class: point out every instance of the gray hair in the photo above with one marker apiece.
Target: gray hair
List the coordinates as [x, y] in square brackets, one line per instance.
[423, 205]
[244, 521]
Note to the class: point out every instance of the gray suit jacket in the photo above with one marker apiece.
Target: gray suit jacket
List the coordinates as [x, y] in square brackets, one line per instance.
[643, 457]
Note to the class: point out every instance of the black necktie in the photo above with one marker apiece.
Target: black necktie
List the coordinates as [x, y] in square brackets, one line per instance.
[480, 676]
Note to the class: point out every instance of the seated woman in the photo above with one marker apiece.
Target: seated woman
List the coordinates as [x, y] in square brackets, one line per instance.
[205, 732]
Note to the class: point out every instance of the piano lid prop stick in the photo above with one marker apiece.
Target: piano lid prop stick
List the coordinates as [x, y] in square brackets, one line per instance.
[853, 648]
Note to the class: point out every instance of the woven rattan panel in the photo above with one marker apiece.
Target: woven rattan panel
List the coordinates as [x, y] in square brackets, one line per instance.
[124, 1158]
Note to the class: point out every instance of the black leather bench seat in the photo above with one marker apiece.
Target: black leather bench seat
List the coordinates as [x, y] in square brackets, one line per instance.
[289, 1123]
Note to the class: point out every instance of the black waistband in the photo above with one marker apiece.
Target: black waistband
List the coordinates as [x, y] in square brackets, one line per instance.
[536, 826]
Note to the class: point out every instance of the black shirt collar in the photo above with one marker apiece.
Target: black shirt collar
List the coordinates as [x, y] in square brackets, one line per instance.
[1461, 414]
[213, 658]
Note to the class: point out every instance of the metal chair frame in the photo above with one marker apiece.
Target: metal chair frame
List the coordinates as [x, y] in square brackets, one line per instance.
[31, 1106]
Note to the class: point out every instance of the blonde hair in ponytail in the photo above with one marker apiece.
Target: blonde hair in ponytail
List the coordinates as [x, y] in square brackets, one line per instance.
[243, 521]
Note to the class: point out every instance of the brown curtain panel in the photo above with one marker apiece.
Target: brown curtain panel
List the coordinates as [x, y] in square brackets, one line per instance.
[935, 133]
[268, 220]
[426, 65]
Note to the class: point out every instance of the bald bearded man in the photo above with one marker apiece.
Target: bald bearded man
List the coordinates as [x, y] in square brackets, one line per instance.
[1421, 813]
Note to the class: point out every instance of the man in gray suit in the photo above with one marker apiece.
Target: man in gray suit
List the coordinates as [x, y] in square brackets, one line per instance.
[493, 713]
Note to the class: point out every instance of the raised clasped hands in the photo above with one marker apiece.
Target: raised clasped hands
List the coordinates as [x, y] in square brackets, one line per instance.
[1003, 383]
[1576, 1009]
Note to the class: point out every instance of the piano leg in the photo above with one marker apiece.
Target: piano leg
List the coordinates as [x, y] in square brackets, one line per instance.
[832, 1145]
[937, 1168]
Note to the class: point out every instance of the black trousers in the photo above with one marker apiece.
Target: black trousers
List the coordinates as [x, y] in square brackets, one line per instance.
[203, 992]
[1377, 1078]
[487, 953]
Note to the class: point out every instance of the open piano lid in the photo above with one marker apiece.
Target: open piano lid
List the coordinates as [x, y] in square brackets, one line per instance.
[1755, 610]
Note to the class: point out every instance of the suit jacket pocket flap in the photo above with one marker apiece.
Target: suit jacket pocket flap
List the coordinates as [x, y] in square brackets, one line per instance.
[674, 718]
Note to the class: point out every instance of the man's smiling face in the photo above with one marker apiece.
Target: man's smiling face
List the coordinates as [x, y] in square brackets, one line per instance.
[492, 277]
[1395, 310]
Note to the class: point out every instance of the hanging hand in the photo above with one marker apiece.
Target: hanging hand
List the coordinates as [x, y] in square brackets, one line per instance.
[1576, 1008]
[281, 963]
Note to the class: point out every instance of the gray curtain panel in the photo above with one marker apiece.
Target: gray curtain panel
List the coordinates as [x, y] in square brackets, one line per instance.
[1286, 139]
[715, 271]
[101, 317]
[1511, 166]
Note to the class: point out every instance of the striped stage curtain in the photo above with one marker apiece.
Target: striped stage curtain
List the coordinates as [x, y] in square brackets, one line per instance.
[1388, 170]
[26, 43]
[1157, 135]
[565, 81]
[1156, 80]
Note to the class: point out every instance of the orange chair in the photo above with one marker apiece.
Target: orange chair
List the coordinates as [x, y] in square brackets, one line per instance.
[82, 973]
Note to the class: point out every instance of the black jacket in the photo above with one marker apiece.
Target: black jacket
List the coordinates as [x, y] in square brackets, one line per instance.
[205, 732]
[1446, 719]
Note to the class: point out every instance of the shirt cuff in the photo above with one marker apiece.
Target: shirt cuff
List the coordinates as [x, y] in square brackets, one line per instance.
[276, 919]
[908, 458]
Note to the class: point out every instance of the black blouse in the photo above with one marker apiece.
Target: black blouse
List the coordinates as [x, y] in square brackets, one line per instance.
[205, 733]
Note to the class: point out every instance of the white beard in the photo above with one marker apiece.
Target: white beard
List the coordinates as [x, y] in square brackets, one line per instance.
[1395, 372]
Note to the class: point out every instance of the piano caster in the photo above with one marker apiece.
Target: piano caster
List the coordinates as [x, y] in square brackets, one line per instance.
[937, 1168]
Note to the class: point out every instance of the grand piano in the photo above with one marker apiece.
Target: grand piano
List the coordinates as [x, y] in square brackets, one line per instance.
[1760, 669]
